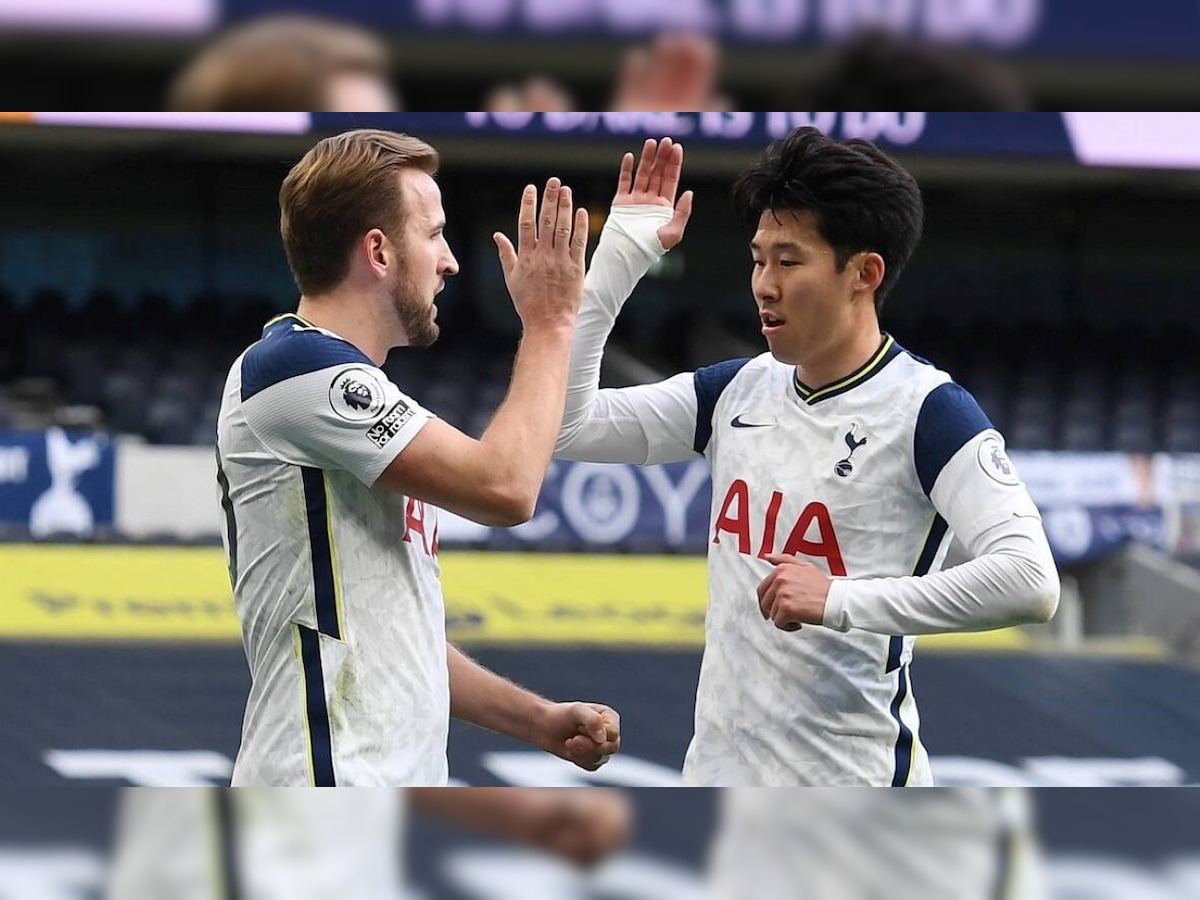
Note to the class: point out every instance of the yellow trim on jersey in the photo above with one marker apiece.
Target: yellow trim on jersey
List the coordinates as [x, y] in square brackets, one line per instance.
[216, 857]
[811, 395]
[308, 755]
[279, 318]
[909, 705]
[1008, 865]
[289, 315]
[333, 558]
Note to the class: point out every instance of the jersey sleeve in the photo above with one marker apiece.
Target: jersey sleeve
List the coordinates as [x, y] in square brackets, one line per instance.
[648, 423]
[348, 417]
[710, 382]
[962, 466]
[979, 488]
[974, 487]
[644, 424]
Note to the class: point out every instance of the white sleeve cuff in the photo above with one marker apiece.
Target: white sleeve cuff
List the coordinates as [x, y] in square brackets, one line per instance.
[835, 616]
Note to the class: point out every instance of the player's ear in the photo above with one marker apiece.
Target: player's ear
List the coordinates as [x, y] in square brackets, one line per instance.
[376, 249]
[870, 270]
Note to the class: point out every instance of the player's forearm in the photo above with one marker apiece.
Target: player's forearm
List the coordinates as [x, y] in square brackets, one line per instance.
[502, 812]
[485, 699]
[583, 825]
[520, 439]
[1013, 582]
[480, 809]
[628, 247]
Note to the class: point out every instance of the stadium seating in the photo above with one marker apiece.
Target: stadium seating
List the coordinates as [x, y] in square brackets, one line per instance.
[157, 370]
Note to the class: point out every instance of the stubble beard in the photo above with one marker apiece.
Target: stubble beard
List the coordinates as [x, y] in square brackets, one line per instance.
[414, 314]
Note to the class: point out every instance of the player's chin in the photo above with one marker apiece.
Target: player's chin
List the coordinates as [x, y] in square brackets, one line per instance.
[427, 336]
[782, 351]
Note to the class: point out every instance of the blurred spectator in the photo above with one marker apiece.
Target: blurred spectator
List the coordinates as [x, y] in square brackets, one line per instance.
[298, 62]
[879, 69]
[288, 63]
[675, 72]
[536, 94]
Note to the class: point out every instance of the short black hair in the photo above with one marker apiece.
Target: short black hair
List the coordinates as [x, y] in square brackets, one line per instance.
[879, 69]
[862, 198]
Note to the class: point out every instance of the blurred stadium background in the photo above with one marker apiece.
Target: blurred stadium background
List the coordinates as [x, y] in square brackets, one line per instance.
[451, 54]
[139, 254]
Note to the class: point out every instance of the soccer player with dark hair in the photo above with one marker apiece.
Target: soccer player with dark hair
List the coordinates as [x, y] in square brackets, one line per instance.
[842, 466]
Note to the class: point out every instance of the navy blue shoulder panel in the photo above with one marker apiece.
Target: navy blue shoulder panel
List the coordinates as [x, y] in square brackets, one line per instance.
[949, 418]
[710, 382]
[285, 352]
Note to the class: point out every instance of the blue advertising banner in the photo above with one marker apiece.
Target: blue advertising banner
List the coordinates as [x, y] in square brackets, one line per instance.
[1166, 140]
[1071, 29]
[1124, 139]
[951, 134]
[661, 507]
[56, 482]
[1081, 534]
[597, 507]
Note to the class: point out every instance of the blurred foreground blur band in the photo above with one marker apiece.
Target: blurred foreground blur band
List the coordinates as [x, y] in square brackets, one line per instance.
[711, 844]
[620, 55]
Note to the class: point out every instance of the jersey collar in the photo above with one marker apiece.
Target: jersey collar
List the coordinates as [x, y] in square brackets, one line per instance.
[283, 317]
[888, 350]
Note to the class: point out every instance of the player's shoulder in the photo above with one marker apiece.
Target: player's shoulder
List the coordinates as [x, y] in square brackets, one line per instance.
[711, 381]
[948, 417]
[938, 396]
[734, 378]
[290, 347]
[921, 374]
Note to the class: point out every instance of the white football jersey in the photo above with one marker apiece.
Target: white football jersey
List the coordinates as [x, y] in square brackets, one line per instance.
[831, 477]
[868, 478]
[336, 582]
[847, 844]
[258, 844]
[841, 477]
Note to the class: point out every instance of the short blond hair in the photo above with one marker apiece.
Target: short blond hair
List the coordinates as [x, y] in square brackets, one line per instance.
[343, 187]
[280, 63]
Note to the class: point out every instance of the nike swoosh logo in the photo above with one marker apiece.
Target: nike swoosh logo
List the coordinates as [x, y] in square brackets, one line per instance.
[738, 423]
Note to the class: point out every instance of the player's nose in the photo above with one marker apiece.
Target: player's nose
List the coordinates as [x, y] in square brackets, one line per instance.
[449, 265]
[765, 289]
[765, 293]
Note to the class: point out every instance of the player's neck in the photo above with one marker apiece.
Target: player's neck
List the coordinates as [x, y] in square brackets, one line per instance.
[838, 360]
[348, 318]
